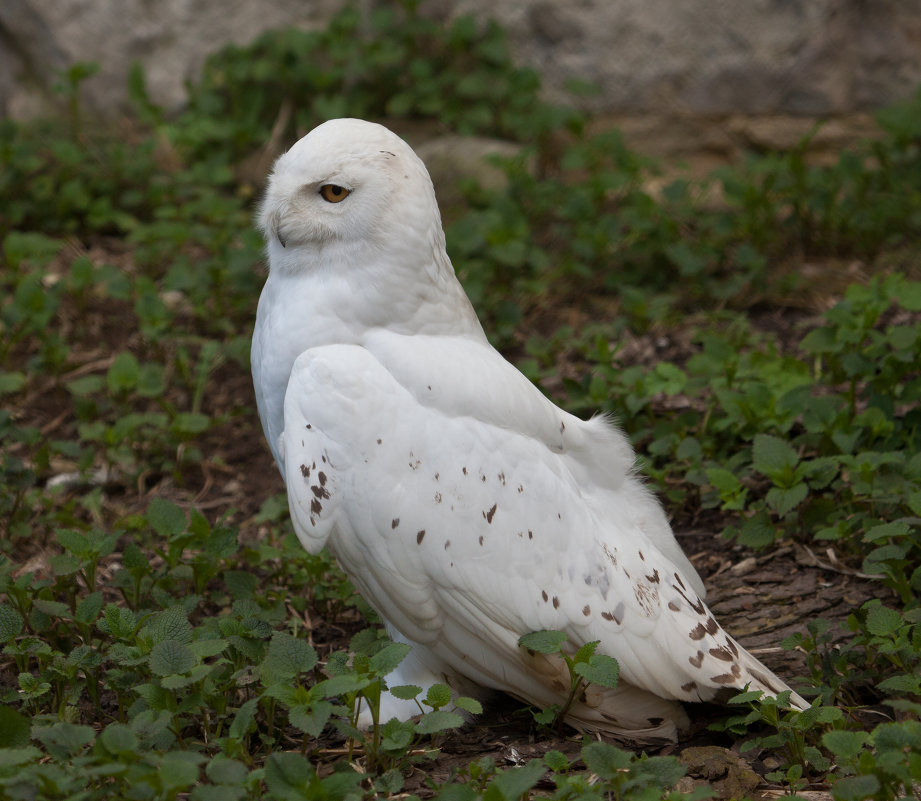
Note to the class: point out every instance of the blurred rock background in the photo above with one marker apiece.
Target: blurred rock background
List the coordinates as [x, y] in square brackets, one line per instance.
[678, 76]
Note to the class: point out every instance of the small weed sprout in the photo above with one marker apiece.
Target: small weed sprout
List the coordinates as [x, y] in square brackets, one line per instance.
[584, 666]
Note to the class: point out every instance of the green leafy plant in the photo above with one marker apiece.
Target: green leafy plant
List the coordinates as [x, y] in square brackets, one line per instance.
[794, 733]
[884, 764]
[584, 666]
[390, 745]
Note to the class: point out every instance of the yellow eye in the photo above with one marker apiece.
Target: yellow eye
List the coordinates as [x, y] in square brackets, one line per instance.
[334, 194]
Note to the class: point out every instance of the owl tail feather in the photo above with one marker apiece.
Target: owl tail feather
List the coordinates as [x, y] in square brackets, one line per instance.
[629, 714]
[759, 677]
[638, 716]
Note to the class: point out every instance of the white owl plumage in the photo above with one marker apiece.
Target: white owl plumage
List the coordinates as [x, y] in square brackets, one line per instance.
[466, 507]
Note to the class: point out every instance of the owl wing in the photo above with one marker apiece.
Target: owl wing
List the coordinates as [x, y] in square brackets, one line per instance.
[465, 508]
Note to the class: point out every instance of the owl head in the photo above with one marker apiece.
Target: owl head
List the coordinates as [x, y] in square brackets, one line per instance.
[348, 181]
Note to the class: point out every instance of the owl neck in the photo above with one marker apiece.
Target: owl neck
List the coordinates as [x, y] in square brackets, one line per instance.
[348, 288]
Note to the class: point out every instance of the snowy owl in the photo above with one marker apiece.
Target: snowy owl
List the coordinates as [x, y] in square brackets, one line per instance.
[466, 507]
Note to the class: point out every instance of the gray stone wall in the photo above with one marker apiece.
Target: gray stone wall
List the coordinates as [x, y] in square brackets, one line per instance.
[697, 57]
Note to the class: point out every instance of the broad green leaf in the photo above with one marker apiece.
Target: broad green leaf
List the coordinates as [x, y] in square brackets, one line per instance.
[88, 608]
[218, 792]
[902, 337]
[51, 608]
[151, 381]
[746, 697]
[241, 583]
[878, 558]
[438, 695]
[820, 472]
[667, 770]
[405, 692]
[14, 729]
[389, 783]
[134, 560]
[368, 642]
[855, 788]
[166, 518]
[757, 531]
[470, 705]
[683, 256]
[883, 621]
[288, 776]
[512, 784]
[11, 623]
[196, 674]
[287, 657]
[339, 685]
[11, 382]
[179, 769]
[846, 441]
[170, 624]
[600, 669]
[604, 759]
[783, 500]
[339, 786]
[556, 761]
[120, 621]
[725, 481]
[76, 542]
[543, 642]
[895, 530]
[668, 378]
[909, 297]
[64, 564]
[389, 657]
[20, 246]
[13, 757]
[845, 745]
[226, 771]
[123, 373]
[460, 792]
[288, 694]
[818, 714]
[397, 735]
[914, 502]
[117, 738]
[772, 456]
[155, 696]
[191, 422]
[204, 649]
[85, 385]
[900, 736]
[32, 685]
[171, 656]
[83, 657]
[902, 683]
[65, 739]
[689, 450]
[311, 719]
[585, 652]
[904, 705]
[438, 720]
[244, 719]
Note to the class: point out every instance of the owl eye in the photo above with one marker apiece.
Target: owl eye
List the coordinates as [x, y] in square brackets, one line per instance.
[334, 194]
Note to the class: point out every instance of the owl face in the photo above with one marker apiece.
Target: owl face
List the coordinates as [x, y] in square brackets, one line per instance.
[347, 181]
